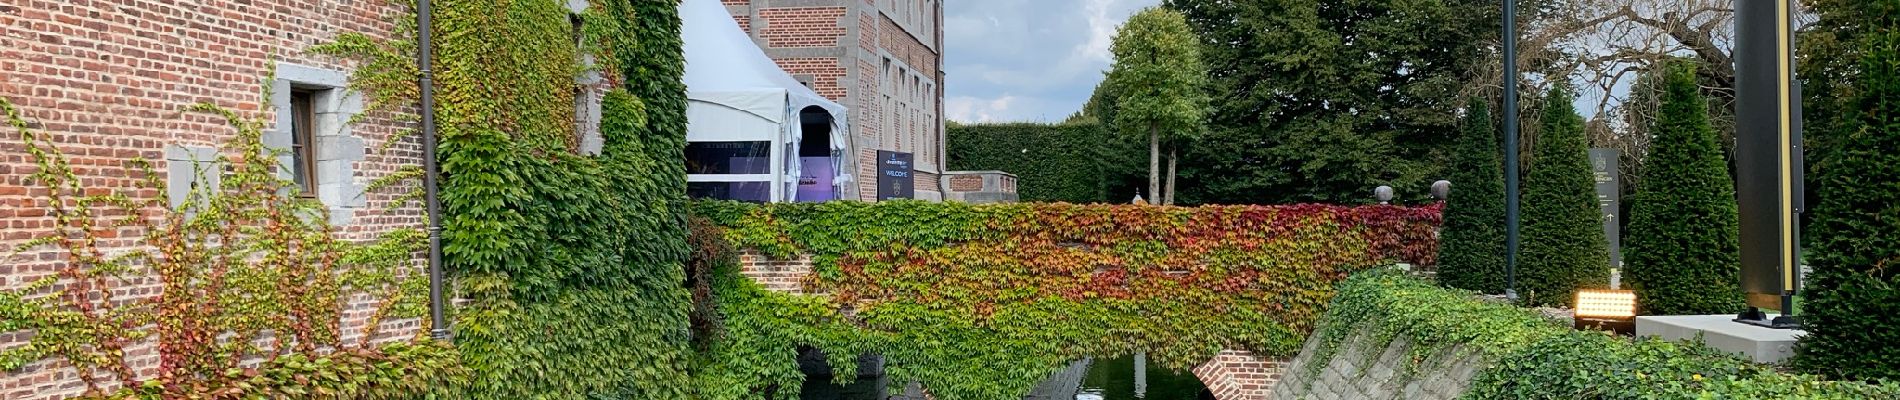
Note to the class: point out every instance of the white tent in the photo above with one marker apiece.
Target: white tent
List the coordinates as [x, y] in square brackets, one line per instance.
[739, 96]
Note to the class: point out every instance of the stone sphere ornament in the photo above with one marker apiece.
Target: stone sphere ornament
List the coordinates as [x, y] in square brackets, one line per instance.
[1383, 193]
[1441, 189]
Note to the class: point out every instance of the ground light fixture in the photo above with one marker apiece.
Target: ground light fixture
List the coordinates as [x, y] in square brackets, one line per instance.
[1611, 310]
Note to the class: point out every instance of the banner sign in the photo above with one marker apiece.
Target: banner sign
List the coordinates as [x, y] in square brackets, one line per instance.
[894, 180]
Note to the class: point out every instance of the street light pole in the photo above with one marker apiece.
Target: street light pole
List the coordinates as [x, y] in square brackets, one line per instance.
[1510, 149]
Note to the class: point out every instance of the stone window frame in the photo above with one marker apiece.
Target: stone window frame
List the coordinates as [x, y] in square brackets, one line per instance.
[188, 168]
[590, 88]
[335, 147]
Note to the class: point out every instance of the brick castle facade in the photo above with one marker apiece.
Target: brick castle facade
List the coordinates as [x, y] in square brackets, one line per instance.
[881, 58]
[106, 81]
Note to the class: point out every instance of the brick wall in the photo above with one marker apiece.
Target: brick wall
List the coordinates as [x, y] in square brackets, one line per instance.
[794, 27]
[776, 275]
[826, 74]
[799, 33]
[1240, 375]
[106, 80]
[966, 183]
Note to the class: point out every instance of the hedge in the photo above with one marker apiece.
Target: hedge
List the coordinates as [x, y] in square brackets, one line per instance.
[1853, 300]
[1071, 162]
[1564, 248]
[1684, 251]
[1531, 357]
[1472, 253]
[982, 302]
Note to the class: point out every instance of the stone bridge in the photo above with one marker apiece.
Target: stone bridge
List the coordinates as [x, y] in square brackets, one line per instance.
[1230, 375]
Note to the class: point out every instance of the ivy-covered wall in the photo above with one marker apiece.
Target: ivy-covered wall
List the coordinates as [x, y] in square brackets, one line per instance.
[571, 265]
[1070, 162]
[981, 302]
[1524, 355]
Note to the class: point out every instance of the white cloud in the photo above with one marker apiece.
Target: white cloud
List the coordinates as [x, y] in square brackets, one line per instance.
[1013, 60]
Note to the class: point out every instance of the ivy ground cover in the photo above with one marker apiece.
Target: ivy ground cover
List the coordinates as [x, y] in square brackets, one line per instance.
[981, 302]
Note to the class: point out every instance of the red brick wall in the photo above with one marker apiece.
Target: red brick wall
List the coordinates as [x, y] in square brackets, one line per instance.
[776, 275]
[826, 74]
[1240, 375]
[966, 183]
[106, 80]
[802, 26]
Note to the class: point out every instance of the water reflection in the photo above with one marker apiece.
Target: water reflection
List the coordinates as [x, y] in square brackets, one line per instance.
[1124, 378]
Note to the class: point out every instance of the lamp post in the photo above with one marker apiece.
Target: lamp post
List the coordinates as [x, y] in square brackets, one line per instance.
[1510, 149]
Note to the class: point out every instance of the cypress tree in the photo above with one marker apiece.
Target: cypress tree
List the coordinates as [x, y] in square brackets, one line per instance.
[1471, 250]
[1852, 307]
[1684, 254]
[1563, 247]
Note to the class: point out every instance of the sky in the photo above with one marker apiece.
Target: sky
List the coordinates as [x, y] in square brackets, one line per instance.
[1038, 60]
[1027, 60]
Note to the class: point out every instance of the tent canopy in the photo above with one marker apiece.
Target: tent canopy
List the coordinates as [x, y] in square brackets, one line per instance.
[738, 94]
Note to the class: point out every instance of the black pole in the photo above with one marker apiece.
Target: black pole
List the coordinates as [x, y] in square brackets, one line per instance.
[1510, 149]
[439, 324]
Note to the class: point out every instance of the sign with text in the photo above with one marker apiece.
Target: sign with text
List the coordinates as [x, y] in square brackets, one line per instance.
[1603, 164]
[894, 176]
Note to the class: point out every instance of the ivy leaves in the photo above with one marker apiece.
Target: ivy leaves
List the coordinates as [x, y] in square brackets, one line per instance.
[983, 302]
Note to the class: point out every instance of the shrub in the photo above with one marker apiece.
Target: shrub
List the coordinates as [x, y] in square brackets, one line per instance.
[1563, 248]
[1853, 300]
[1068, 162]
[1526, 356]
[1684, 243]
[1472, 254]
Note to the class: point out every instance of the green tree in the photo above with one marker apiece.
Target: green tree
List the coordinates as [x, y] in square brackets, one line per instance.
[1320, 101]
[1853, 300]
[1471, 251]
[1563, 248]
[1684, 248]
[1159, 75]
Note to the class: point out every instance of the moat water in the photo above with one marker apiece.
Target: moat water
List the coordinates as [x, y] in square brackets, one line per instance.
[1125, 378]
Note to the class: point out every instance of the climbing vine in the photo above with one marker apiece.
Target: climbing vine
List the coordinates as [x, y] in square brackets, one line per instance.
[252, 285]
[1530, 357]
[571, 265]
[982, 302]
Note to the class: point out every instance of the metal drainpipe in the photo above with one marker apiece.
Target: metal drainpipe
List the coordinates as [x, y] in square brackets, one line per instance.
[439, 324]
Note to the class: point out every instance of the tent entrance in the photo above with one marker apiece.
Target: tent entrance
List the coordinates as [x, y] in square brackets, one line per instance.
[818, 161]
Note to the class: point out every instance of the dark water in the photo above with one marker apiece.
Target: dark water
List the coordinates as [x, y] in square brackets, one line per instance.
[1095, 379]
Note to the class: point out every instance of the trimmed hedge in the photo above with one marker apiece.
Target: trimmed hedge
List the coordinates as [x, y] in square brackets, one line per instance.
[1684, 244]
[1563, 248]
[1069, 162]
[982, 302]
[1531, 357]
[1853, 302]
[1472, 255]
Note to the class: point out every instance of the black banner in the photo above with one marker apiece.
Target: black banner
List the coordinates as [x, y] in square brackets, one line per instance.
[1765, 149]
[894, 176]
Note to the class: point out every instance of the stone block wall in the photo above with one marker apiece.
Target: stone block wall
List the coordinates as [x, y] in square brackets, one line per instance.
[1365, 368]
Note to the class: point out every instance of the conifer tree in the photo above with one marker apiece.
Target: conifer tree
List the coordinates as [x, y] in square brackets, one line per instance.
[1853, 293]
[1563, 245]
[1684, 252]
[1471, 253]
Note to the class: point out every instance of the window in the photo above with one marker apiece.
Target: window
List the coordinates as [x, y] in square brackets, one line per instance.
[303, 157]
[311, 135]
[729, 158]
